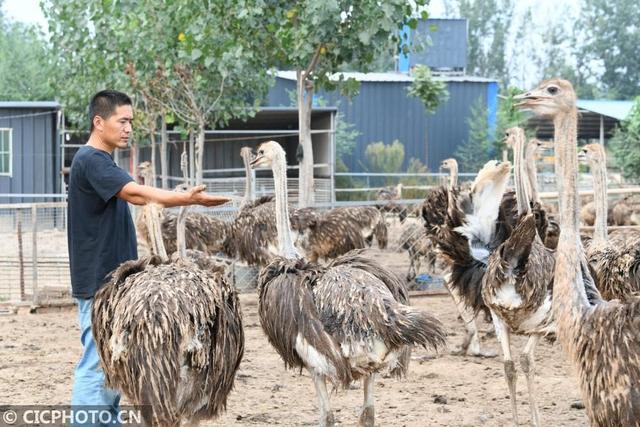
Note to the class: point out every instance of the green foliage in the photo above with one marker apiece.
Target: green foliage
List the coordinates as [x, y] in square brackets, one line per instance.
[626, 144]
[346, 136]
[489, 25]
[24, 63]
[415, 167]
[478, 149]
[202, 61]
[323, 36]
[612, 45]
[430, 91]
[382, 158]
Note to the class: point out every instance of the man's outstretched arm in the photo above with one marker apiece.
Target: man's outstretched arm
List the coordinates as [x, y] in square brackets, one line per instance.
[142, 194]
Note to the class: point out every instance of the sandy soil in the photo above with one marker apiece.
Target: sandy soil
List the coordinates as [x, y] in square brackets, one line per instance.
[38, 353]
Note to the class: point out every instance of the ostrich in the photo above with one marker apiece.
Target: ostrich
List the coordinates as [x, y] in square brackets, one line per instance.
[203, 232]
[436, 202]
[250, 177]
[615, 260]
[451, 165]
[341, 322]
[390, 193]
[169, 336]
[517, 285]
[339, 231]
[417, 243]
[601, 338]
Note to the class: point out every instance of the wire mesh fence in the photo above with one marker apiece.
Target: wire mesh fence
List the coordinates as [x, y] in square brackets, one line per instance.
[34, 260]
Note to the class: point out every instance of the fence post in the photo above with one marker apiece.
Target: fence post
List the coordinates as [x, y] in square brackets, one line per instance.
[34, 257]
[20, 252]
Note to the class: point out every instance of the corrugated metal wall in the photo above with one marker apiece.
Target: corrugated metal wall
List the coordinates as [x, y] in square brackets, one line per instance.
[448, 47]
[383, 112]
[34, 156]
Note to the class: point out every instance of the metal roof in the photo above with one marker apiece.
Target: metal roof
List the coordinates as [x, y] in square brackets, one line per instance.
[29, 104]
[390, 77]
[615, 109]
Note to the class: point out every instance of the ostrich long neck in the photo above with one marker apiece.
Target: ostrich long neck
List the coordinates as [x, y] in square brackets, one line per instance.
[453, 177]
[522, 195]
[152, 216]
[532, 173]
[599, 171]
[285, 239]
[181, 240]
[249, 182]
[569, 295]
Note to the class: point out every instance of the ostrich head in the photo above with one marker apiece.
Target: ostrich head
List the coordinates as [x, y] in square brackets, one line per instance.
[550, 98]
[492, 173]
[268, 153]
[592, 154]
[512, 135]
[246, 154]
[144, 170]
[449, 164]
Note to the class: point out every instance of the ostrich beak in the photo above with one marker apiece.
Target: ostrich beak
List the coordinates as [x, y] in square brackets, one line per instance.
[582, 156]
[255, 163]
[531, 98]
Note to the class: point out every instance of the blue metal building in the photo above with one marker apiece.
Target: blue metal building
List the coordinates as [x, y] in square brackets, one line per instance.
[383, 111]
[30, 161]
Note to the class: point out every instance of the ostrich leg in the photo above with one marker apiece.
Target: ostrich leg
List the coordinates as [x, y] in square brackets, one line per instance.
[509, 367]
[368, 413]
[326, 416]
[527, 364]
[471, 343]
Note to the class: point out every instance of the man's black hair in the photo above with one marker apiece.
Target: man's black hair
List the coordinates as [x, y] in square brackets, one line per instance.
[105, 102]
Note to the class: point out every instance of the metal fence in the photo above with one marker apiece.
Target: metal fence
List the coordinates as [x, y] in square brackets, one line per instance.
[34, 260]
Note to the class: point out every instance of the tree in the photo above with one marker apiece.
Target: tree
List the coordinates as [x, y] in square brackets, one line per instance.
[202, 61]
[625, 144]
[316, 38]
[382, 158]
[478, 149]
[430, 91]
[24, 63]
[611, 46]
[489, 26]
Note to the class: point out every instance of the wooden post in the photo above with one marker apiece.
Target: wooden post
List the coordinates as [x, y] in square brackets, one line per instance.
[34, 257]
[20, 252]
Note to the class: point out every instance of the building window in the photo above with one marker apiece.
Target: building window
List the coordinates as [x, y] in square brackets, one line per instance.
[5, 151]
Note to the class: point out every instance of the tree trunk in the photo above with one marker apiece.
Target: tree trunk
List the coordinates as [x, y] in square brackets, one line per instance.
[305, 99]
[200, 153]
[192, 167]
[163, 154]
[152, 138]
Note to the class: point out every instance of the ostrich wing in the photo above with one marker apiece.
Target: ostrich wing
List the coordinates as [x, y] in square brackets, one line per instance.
[290, 319]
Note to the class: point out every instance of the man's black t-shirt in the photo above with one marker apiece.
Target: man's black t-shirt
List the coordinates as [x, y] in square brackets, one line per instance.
[100, 232]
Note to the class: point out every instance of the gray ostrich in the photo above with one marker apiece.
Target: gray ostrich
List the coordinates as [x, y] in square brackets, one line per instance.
[341, 322]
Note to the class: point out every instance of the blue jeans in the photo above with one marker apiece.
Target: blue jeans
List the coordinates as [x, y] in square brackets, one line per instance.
[88, 384]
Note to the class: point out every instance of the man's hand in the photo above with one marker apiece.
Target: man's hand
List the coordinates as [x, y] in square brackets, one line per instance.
[197, 196]
[142, 194]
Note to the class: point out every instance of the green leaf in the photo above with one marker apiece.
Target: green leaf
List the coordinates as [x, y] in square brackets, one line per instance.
[195, 54]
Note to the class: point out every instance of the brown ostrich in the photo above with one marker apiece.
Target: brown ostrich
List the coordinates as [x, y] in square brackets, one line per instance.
[462, 273]
[615, 259]
[345, 321]
[517, 285]
[601, 338]
[203, 232]
[169, 336]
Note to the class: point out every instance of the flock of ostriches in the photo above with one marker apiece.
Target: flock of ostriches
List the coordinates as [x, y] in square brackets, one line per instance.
[169, 327]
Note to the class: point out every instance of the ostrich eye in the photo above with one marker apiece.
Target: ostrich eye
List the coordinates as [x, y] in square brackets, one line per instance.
[552, 90]
[260, 151]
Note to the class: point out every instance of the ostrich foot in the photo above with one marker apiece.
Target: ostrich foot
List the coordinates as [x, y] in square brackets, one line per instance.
[327, 420]
[471, 347]
[367, 417]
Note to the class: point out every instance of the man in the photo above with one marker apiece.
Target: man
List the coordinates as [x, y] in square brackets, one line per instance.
[101, 234]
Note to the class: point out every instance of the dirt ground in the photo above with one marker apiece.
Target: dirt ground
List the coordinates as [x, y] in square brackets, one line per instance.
[38, 353]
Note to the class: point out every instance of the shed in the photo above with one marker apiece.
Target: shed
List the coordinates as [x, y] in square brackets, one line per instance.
[29, 155]
[597, 119]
